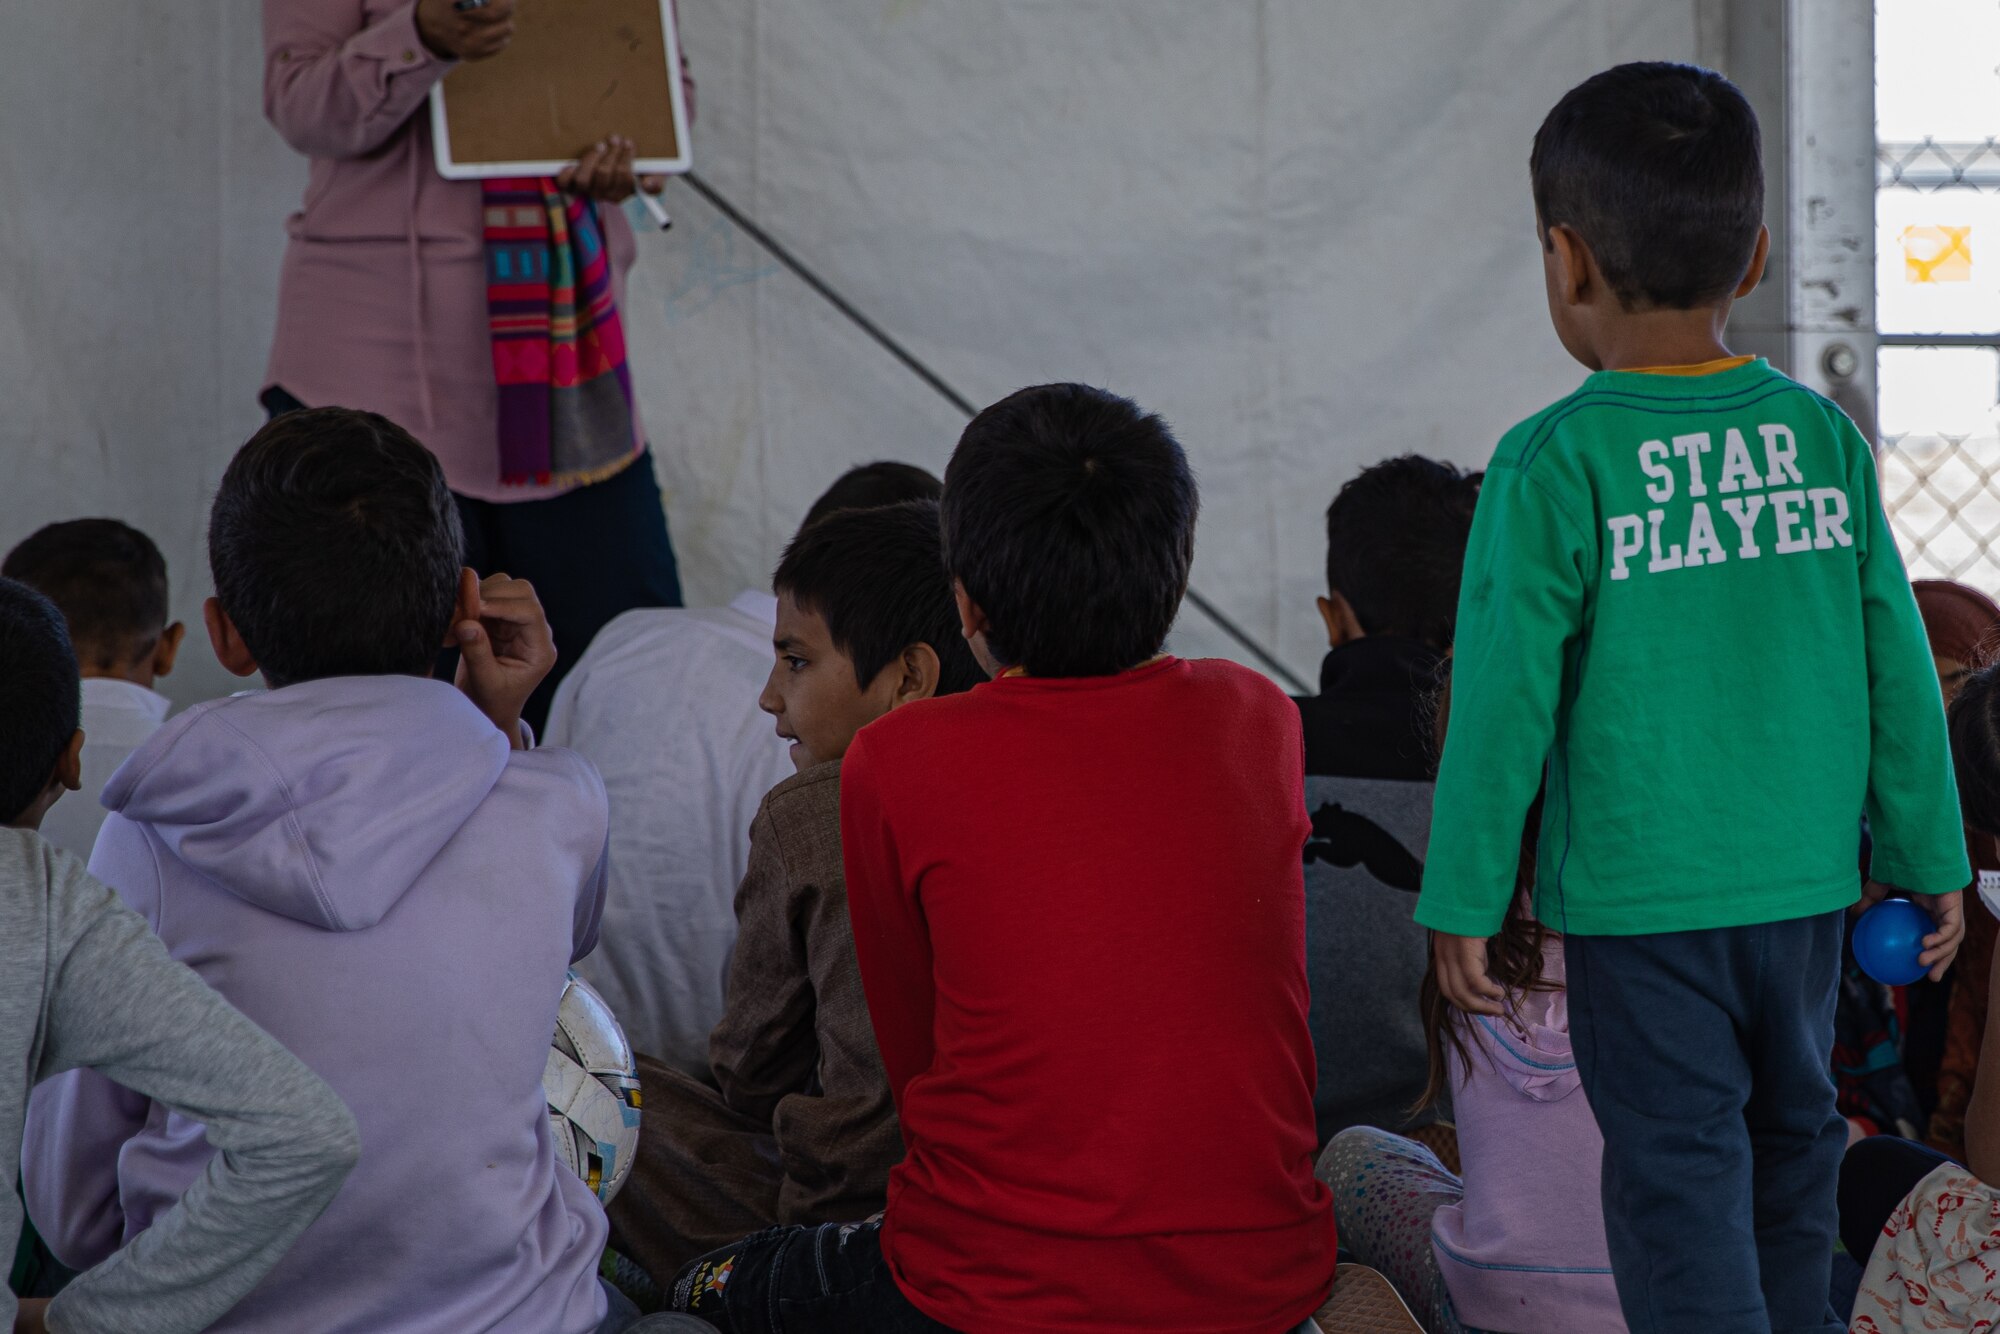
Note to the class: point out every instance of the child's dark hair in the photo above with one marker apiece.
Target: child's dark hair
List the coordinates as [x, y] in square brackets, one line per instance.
[1395, 546]
[1974, 722]
[336, 548]
[108, 580]
[1659, 168]
[1513, 957]
[44, 699]
[871, 485]
[876, 577]
[1069, 519]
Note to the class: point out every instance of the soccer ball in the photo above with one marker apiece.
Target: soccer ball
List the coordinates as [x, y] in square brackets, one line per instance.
[593, 1091]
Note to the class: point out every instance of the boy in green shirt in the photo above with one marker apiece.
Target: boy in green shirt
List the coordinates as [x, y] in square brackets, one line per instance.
[1683, 611]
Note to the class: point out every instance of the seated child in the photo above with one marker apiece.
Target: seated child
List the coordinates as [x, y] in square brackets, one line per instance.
[1925, 1225]
[1688, 624]
[1964, 629]
[365, 861]
[110, 583]
[1395, 543]
[664, 703]
[85, 985]
[1904, 1057]
[794, 1122]
[1080, 921]
[1514, 1242]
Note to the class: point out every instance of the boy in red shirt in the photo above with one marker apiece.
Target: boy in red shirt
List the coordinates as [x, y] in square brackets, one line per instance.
[1078, 906]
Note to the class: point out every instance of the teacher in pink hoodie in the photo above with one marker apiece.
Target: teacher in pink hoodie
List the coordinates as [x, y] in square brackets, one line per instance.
[392, 299]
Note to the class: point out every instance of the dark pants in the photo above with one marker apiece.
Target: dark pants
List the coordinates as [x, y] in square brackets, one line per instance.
[829, 1279]
[619, 1313]
[1704, 1055]
[1877, 1175]
[591, 553]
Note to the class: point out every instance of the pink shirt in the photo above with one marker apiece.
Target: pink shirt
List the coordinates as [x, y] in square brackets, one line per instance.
[382, 299]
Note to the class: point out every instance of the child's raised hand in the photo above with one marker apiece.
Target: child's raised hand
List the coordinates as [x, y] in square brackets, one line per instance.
[504, 644]
[1462, 975]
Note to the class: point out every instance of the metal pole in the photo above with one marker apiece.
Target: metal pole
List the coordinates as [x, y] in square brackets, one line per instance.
[944, 390]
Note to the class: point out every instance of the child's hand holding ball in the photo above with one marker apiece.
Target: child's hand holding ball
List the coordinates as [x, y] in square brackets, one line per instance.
[1931, 953]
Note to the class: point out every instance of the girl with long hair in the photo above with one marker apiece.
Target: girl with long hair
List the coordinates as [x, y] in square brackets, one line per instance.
[1514, 1245]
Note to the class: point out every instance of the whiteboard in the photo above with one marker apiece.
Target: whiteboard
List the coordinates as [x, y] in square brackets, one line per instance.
[577, 72]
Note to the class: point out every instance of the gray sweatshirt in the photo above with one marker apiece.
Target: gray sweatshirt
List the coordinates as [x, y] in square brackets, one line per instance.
[83, 983]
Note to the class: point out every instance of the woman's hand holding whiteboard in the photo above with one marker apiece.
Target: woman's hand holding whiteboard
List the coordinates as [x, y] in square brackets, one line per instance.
[580, 79]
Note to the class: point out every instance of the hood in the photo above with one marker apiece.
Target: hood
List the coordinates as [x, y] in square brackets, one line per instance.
[321, 802]
[1530, 1047]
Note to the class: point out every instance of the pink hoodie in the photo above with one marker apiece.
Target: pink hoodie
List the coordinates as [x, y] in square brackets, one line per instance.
[1525, 1252]
[382, 301]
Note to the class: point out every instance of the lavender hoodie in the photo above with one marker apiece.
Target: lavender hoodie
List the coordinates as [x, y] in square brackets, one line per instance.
[1524, 1253]
[365, 869]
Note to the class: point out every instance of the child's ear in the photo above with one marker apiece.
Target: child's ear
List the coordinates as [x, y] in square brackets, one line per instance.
[1754, 275]
[230, 650]
[168, 649]
[1573, 262]
[67, 776]
[1342, 626]
[69, 765]
[971, 620]
[972, 624]
[917, 671]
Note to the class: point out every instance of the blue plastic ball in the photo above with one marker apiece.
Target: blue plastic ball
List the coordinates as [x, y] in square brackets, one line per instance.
[1888, 939]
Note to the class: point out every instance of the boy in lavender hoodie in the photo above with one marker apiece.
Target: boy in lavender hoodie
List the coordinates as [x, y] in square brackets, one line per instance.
[369, 864]
[84, 984]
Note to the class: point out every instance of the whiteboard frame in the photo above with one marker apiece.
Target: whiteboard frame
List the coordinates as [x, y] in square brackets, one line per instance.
[453, 170]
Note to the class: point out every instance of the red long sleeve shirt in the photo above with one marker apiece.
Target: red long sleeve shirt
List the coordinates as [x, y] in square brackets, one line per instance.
[1080, 916]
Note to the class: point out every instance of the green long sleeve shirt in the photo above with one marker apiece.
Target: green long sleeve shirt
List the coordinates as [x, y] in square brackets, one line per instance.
[1682, 605]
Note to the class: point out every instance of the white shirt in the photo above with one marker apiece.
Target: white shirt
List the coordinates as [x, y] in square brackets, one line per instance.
[118, 717]
[664, 703]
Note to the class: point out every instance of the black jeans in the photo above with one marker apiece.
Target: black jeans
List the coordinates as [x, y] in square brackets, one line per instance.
[1704, 1057]
[592, 554]
[801, 1280]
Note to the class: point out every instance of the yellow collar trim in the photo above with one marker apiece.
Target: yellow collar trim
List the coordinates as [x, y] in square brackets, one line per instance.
[1715, 367]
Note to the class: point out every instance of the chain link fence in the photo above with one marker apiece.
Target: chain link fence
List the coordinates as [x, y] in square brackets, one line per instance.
[1942, 494]
[1941, 488]
[1931, 164]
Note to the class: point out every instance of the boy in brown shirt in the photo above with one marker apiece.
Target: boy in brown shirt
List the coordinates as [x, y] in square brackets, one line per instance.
[797, 1125]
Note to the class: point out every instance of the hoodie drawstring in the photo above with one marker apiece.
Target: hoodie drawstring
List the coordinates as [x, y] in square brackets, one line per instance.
[415, 240]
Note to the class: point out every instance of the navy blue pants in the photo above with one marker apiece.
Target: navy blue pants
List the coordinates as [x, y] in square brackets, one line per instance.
[1705, 1057]
[1877, 1175]
[592, 554]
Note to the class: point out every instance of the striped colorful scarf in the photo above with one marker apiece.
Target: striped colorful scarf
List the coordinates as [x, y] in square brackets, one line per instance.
[558, 344]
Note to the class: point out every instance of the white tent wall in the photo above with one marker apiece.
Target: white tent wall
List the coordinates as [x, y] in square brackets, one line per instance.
[1299, 229]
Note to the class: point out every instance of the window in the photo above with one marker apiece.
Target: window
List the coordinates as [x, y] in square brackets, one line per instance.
[1937, 231]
